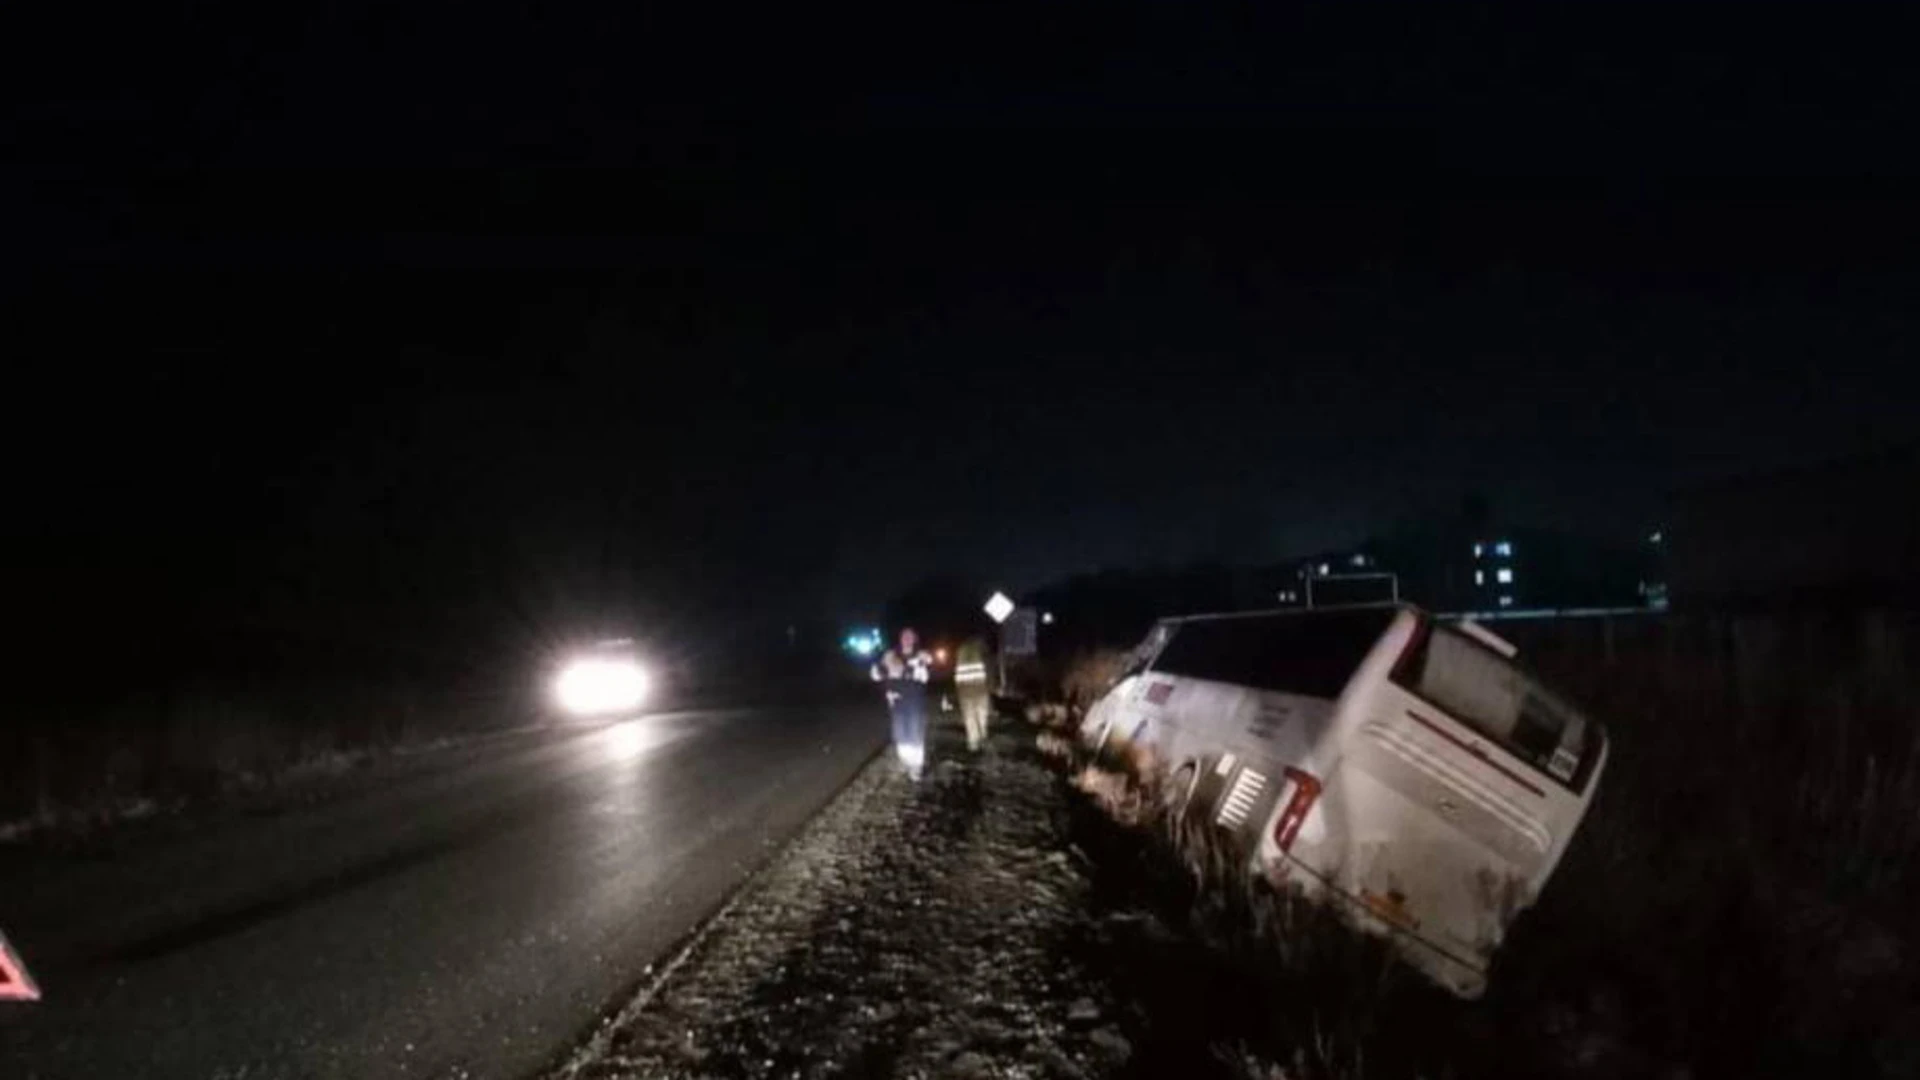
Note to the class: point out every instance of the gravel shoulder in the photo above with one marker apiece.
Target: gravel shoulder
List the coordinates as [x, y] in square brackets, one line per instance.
[911, 930]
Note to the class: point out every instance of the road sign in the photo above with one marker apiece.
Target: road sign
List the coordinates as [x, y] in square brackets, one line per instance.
[15, 983]
[1020, 633]
[999, 607]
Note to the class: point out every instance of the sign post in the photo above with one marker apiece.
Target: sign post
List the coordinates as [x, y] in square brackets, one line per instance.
[998, 607]
[1019, 636]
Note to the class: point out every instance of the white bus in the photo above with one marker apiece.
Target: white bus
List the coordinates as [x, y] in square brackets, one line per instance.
[1404, 769]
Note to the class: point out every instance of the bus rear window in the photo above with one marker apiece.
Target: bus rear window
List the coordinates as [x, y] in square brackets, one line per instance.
[1485, 691]
[1309, 653]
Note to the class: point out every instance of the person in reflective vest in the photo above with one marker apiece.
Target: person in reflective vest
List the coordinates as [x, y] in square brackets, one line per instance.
[971, 686]
[903, 672]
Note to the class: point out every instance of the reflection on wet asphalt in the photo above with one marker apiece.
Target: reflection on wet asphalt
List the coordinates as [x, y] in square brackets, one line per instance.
[468, 921]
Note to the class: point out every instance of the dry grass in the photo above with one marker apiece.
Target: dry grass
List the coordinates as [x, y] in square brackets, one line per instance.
[1054, 745]
[1088, 674]
[1739, 898]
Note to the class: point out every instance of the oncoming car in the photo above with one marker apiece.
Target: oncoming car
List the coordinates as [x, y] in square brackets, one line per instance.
[1404, 769]
[603, 681]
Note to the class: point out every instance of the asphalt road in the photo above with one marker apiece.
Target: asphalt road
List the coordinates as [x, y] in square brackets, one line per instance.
[470, 919]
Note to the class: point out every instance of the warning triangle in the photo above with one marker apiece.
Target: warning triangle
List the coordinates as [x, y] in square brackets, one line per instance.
[15, 983]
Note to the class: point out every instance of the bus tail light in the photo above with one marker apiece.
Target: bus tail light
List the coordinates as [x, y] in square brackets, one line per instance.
[1306, 791]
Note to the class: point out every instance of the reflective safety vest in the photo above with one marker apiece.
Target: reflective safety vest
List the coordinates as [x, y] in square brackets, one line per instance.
[970, 666]
[898, 672]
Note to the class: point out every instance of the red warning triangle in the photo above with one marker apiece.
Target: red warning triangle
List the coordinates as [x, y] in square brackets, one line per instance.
[15, 983]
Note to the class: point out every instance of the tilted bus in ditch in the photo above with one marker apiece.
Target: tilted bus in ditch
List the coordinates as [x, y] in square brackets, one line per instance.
[1405, 769]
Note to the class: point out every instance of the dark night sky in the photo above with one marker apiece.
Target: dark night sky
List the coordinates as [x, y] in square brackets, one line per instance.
[532, 307]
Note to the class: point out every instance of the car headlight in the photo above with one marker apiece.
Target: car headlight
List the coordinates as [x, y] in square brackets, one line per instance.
[597, 687]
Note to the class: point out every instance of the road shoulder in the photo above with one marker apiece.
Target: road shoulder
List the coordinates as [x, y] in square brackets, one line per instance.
[911, 929]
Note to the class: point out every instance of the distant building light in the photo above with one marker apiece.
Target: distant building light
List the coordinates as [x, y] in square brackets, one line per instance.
[1504, 575]
[1503, 549]
[1479, 577]
[1478, 550]
[1324, 570]
[1359, 560]
[1657, 537]
[1046, 617]
[1506, 601]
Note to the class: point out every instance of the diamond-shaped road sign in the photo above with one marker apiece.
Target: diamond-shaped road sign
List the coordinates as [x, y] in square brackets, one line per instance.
[999, 607]
[15, 983]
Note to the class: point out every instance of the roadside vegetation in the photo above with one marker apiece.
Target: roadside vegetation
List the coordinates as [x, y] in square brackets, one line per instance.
[1738, 901]
[93, 764]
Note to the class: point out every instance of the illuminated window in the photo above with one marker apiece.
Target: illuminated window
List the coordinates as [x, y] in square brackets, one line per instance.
[1506, 601]
[1503, 548]
[1478, 549]
[1479, 577]
[1505, 575]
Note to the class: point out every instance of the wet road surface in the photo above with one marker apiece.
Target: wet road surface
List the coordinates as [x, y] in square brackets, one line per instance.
[469, 920]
